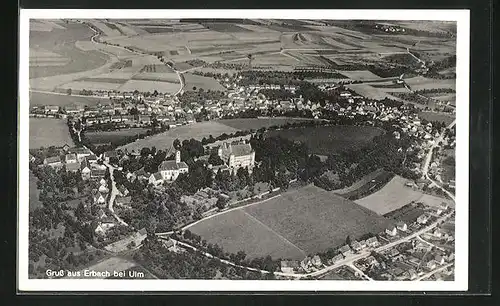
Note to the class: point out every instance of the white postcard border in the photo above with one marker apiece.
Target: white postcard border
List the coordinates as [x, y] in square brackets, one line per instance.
[462, 157]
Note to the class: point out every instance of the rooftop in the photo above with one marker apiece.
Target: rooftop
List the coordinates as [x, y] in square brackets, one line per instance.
[172, 165]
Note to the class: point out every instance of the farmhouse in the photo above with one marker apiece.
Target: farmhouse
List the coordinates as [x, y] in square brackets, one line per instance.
[110, 154]
[71, 158]
[103, 226]
[336, 258]
[422, 219]
[96, 173]
[237, 156]
[402, 226]
[53, 162]
[372, 242]
[289, 266]
[156, 179]
[391, 231]
[356, 246]
[316, 261]
[81, 153]
[72, 167]
[85, 169]
[170, 169]
[345, 250]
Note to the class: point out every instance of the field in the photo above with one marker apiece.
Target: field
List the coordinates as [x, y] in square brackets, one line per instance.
[46, 132]
[257, 123]
[194, 82]
[361, 75]
[325, 140]
[371, 92]
[238, 230]
[370, 186]
[39, 98]
[395, 195]
[34, 202]
[60, 41]
[308, 219]
[433, 116]
[150, 86]
[196, 130]
[108, 136]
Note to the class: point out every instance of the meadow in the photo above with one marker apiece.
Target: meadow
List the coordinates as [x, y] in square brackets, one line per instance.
[195, 82]
[306, 221]
[392, 196]
[196, 130]
[46, 132]
[326, 140]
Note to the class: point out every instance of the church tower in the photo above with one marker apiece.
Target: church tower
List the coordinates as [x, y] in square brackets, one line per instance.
[177, 156]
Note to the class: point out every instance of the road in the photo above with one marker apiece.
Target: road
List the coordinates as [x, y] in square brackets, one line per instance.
[95, 41]
[363, 275]
[114, 193]
[430, 243]
[428, 158]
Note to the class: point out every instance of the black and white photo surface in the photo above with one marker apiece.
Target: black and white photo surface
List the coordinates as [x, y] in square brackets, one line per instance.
[182, 150]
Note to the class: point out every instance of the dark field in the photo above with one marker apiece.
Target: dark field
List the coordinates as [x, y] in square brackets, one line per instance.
[62, 42]
[257, 123]
[108, 136]
[325, 140]
[298, 223]
[441, 117]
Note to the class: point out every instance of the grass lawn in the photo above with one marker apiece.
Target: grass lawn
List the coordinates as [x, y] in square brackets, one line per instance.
[326, 140]
[46, 132]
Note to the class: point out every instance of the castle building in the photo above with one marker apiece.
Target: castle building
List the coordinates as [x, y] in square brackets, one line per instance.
[237, 156]
[170, 169]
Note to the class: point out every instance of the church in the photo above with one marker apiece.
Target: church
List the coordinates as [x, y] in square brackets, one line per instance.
[237, 156]
[170, 169]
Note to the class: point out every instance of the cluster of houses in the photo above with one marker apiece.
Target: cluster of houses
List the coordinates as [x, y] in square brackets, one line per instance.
[206, 198]
[77, 159]
[314, 263]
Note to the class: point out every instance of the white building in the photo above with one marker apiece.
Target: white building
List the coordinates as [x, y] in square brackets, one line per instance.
[170, 169]
[237, 156]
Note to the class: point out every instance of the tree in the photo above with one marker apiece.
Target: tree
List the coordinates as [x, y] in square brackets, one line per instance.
[215, 160]
[348, 240]
[68, 91]
[221, 202]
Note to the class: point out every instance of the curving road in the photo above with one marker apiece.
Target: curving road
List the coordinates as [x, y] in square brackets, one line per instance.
[428, 158]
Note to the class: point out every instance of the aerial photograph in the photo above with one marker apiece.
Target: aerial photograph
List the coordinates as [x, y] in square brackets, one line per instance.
[242, 149]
